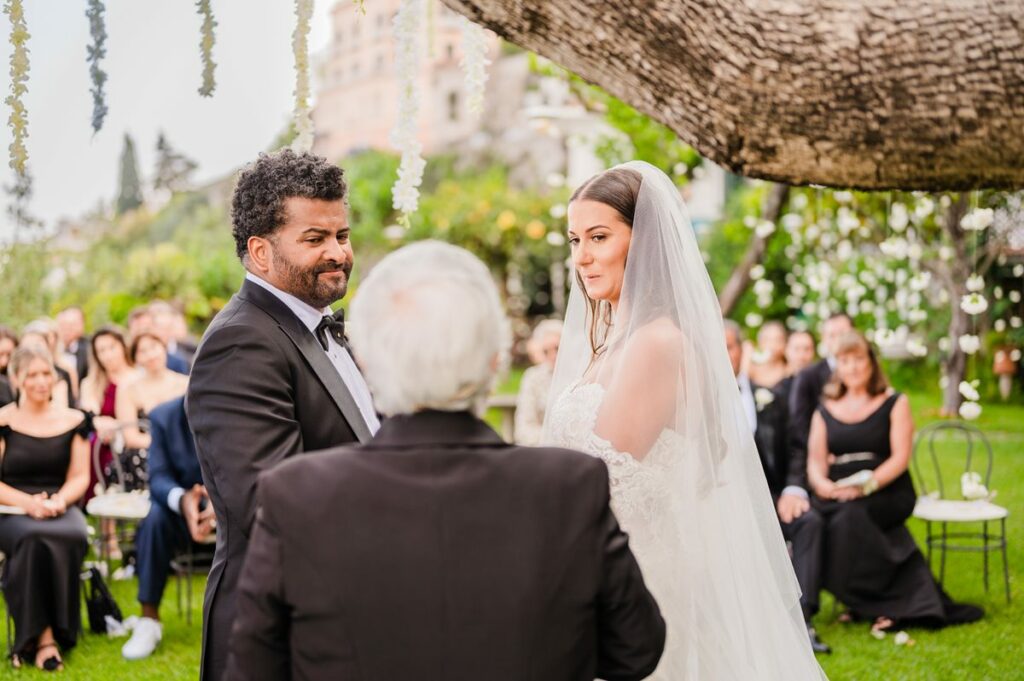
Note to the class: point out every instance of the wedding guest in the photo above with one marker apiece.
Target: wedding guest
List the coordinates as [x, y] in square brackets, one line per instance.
[8, 342]
[44, 472]
[175, 518]
[71, 328]
[153, 384]
[273, 376]
[187, 344]
[799, 355]
[768, 362]
[532, 401]
[767, 415]
[139, 321]
[164, 326]
[804, 397]
[44, 332]
[800, 352]
[858, 453]
[109, 367]
[452, 543]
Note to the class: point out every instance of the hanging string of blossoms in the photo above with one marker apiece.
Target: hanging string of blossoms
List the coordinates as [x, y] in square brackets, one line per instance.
[18, 118]
[474, 64]
[973, 303]
[300, 49]
[94, 53]
[206, 43]
[408, 50]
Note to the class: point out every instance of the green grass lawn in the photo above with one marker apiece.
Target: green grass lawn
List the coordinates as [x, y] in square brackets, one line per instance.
[987, 650]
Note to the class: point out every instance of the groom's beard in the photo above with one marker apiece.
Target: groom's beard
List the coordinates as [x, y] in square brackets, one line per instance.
[308, 286]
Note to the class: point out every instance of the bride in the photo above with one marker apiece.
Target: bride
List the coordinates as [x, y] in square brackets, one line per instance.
[643, 382]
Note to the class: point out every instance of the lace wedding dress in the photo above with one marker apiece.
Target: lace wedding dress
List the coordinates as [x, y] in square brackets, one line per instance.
[673, 554]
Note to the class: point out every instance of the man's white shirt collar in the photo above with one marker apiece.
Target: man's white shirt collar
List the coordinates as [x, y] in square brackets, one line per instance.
[749, 404]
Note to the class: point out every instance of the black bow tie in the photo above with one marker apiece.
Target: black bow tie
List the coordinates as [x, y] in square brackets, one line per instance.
[333, 325]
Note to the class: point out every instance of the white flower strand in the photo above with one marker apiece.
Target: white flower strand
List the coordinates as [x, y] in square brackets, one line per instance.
[474, 65]
[408, 51]
[300, 49]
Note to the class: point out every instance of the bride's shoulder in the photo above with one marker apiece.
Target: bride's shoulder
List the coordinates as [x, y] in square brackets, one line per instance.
[660, 337]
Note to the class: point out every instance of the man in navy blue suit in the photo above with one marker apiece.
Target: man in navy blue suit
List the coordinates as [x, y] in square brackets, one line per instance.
[179, 513]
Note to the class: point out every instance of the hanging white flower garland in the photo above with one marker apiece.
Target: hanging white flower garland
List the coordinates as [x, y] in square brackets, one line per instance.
[300, 49]
[474, 64]
[408, 53]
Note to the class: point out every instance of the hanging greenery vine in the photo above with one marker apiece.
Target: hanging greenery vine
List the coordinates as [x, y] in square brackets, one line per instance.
[206, 43]
[300, 48]
[18, 118]
[95, 53]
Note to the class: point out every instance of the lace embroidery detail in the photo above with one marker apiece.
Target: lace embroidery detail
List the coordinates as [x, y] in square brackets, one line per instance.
[640, 489]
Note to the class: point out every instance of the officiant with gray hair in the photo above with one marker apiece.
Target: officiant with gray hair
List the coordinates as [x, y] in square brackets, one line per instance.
[437, 551]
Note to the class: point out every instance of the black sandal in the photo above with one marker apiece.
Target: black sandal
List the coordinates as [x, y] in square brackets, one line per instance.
[52, 663]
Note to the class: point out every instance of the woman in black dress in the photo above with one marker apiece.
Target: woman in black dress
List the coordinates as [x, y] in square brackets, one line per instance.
[864, 429]
[44, 470]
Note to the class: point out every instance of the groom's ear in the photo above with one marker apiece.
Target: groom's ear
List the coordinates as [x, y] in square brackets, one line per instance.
[259, 250]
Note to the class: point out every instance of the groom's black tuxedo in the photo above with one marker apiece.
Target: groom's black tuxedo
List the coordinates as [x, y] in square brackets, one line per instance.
[438, 552]
[261, 390]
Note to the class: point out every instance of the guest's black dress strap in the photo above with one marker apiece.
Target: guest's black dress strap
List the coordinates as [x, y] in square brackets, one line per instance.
[86, 427]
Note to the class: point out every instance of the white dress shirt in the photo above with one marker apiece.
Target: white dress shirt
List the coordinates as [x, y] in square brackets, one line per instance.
[339, 356]
[749, 404]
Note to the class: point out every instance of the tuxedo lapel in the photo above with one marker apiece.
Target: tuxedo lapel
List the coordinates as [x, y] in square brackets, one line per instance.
[308, 346]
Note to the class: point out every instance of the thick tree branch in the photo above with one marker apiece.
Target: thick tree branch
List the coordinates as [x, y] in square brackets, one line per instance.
[739, 280]
[878, 94]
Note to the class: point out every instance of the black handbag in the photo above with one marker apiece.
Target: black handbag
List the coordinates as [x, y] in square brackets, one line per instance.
[99, 602]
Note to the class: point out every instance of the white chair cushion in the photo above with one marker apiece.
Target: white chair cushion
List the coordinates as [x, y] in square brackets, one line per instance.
[952, 511]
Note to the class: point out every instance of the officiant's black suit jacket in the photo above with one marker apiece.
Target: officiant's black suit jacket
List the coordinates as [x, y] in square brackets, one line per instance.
[261, 390]
[439, 553]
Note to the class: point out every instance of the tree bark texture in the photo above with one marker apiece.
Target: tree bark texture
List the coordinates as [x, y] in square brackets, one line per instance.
[739, 280]
[878, 94]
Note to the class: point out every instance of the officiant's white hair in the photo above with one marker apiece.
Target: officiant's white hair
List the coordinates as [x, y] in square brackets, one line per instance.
[429, 331]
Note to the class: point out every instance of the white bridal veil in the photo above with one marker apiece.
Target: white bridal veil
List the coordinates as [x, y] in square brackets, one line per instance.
[713, 545]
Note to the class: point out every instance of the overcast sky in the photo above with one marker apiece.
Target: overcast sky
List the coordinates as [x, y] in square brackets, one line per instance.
[154, 72]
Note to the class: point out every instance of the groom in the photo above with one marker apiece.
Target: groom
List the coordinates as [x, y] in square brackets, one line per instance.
[273, 376]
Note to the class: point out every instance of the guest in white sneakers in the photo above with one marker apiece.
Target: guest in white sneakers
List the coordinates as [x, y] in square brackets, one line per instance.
[180, 513]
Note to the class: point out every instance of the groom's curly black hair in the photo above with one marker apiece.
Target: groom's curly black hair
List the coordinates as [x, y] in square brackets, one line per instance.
[257, 207]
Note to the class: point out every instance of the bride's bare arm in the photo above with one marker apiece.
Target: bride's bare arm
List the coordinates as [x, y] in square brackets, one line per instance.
[640, 400]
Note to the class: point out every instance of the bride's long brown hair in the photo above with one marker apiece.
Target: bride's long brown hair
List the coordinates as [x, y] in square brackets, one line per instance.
[617, 188]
